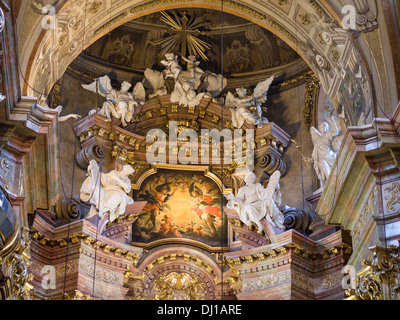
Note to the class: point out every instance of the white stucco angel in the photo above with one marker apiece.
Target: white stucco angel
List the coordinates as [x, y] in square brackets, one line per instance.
[248, 108]
[173, 69]
[119, 103]
[193, 72]
[253, 202]
[325, 151]
[107, 192]
[185, 95]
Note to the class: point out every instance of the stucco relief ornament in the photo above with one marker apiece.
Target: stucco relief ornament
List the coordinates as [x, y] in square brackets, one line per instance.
[253, 202]
[326, 139]
[107, 192]
[119, 103]
[248, 108]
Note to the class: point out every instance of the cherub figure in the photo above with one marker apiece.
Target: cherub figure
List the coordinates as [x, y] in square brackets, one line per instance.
[247, 108]
[185, 95]
[119, 103]
[173, 69]
[193, 70]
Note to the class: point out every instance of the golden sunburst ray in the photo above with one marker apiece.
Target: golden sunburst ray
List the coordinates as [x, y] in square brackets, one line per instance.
[184, 31]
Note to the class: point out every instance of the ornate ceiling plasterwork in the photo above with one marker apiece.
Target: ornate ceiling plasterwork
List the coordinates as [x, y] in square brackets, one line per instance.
[247, 52]
[305, 25]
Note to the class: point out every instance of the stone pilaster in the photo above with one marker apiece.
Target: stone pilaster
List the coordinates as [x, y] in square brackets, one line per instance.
[364, 186]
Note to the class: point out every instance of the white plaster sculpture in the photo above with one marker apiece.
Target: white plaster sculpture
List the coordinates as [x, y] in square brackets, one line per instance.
[214, 85]
[119, 103]
[247, 108]
[62, 118]
[253, 202]
[193, 73]
[173, 69]
[154, 81]
[325, 140]
[185, 95]
[193, 67]
[107, 192]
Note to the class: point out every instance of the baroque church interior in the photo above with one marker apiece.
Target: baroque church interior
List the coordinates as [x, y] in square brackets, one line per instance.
[199, 150]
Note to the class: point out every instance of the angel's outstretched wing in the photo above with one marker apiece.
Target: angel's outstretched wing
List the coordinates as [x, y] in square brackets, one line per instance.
[139, 93]
[261, 89]
[102, 85]
[93, 169]
[272, 185]
[92, 182]
[196, 100]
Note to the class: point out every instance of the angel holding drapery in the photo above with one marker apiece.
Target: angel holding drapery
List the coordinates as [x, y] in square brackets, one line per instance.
[119, 103]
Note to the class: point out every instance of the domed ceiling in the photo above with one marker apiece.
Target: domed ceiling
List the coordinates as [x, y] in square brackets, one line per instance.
[249, 51]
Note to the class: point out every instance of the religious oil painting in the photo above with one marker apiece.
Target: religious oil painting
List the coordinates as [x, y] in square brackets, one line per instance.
[180, 205]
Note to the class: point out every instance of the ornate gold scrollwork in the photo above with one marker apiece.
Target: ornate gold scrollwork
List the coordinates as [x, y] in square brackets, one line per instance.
[394, 196]
[182, 286]
[380, 280]
[312, 84]
[16, 264]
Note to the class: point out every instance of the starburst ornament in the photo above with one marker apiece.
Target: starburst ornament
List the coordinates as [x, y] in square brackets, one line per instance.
[184, 32]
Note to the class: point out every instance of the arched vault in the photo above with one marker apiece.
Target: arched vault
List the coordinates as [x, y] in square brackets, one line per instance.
[311, 27]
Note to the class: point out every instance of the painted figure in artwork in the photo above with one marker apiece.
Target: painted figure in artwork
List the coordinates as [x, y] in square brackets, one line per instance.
[206, 207]
[169, 227]
[181, 205]
[156, 202]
